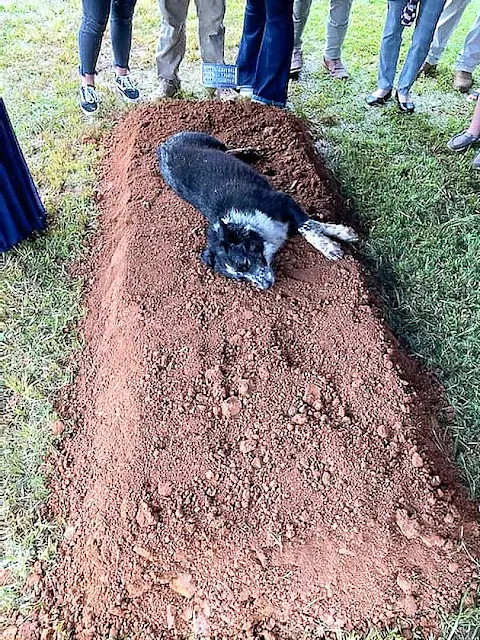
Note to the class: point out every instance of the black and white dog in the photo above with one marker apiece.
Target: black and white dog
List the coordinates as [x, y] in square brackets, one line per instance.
[248, 220]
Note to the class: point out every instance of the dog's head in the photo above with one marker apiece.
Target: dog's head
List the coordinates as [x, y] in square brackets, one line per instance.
[238, 253]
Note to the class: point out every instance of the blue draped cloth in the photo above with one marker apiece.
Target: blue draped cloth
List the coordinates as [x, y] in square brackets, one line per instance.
[21, 210]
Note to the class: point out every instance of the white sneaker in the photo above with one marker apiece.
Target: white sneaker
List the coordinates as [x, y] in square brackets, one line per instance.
[227, 94]
[167, 88]
[88, 99]
[127, 88]
[296, 64]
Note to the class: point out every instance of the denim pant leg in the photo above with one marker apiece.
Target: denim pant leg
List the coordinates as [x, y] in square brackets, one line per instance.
[469, 57]
[390, 47]
[121, 17]
[273, 66]
[172, 42]
[301, 11]
[211, 30]
[94, 20]
[252, 36]
[428, 15]
[337, 25]
[447, 22]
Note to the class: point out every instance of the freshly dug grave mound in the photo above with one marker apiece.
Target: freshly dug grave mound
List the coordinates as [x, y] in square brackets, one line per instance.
[246, 463]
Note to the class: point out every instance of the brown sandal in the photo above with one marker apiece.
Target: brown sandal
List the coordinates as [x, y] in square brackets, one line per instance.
[335, 68]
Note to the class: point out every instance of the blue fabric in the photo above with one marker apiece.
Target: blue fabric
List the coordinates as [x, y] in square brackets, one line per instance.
[266, 49]
[427, 19]
[21, 211]
[94, 20]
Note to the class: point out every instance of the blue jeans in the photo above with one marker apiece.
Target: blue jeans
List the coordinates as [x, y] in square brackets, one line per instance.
[265, 50]
[427, 18]
[94, 20]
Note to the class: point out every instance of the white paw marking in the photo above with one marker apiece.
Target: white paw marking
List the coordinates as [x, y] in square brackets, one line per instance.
[339, 231]
[314, 233]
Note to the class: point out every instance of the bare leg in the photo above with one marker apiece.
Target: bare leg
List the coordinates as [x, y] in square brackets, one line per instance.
[474, 127]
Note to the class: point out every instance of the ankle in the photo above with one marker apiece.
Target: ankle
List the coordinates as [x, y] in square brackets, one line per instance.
[380, 93]
[87, 80]
[121, 71]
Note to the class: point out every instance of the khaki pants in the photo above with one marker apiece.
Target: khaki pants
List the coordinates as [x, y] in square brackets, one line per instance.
[172, 41]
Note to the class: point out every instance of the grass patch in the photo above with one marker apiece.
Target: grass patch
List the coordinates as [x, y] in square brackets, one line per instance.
[418, 204]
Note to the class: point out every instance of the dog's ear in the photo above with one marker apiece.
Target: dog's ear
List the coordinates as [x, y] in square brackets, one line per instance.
[207, 257]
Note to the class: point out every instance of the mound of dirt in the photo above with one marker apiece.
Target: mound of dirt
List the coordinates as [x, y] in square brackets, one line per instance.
[246, 463]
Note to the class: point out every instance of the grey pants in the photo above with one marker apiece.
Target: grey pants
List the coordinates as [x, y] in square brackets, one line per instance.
[172, 42]
[337, 25]
[469, 57]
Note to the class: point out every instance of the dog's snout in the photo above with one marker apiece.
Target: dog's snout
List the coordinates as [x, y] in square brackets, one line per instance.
[263, 278]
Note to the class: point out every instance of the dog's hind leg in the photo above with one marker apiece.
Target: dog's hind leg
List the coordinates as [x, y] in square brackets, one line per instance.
[313, 234]
[339, 231]
[197, 139]
[247, 154]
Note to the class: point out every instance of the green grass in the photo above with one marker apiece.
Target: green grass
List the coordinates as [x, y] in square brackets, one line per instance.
[417, 203]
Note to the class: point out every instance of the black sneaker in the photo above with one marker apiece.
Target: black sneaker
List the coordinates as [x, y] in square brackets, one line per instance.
[88, 99]
[126, 87]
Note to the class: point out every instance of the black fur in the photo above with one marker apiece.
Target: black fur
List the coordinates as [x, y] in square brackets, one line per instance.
[248, 220]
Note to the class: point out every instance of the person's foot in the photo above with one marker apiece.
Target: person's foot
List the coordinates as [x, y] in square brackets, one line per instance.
[126, 87]
[405, 103]
[335, 68]
[296, 64]
[476, 162]
[462, 141]
[429, 70]
[167, 88]
[378, 98]
[463, 81]
[88, 99]
[227, 94]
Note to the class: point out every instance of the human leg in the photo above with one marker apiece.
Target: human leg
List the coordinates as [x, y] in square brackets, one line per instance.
[448, 21]
[273, 65]
[172, 41]
[253, 29]
[390, 46]
[301, 11]
[428, 15]
[337, 25]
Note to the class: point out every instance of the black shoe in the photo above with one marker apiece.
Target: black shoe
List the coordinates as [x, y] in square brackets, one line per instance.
[375, 101]
[405, 107]
[88, 99]
[126, 87]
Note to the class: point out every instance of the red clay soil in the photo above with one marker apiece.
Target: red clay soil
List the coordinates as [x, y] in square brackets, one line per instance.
[245, 463]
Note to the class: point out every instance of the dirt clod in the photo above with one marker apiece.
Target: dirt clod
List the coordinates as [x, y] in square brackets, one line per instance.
[231, 407]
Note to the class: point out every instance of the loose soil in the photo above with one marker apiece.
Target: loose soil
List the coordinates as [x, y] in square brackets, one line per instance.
[245, 463]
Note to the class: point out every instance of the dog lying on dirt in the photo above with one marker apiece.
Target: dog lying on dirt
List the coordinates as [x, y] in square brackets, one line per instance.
[248, 220]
